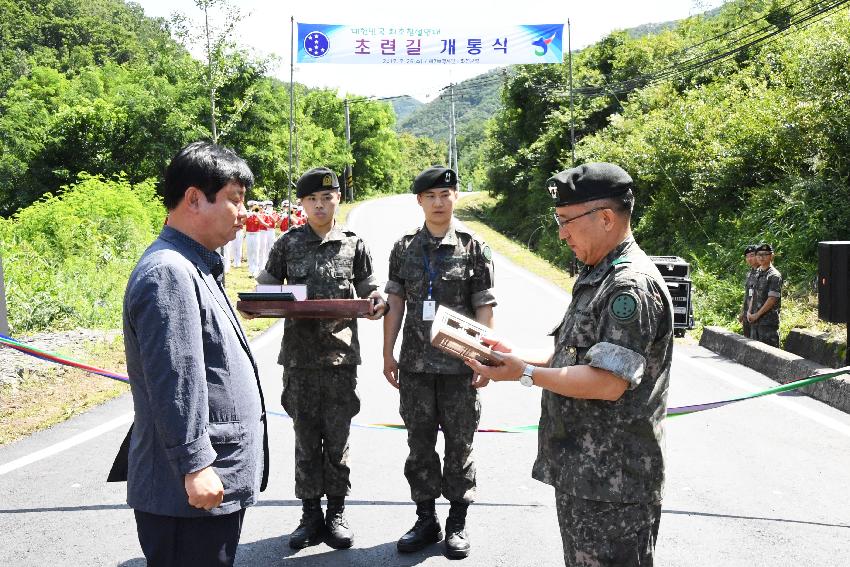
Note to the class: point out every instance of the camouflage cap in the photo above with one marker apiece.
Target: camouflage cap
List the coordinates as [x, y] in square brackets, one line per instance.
[317, 179]
[435, 177]
[588, 182]
[765, 247]
[750, 249]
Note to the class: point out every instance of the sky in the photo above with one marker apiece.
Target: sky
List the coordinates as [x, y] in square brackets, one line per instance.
[265, 29]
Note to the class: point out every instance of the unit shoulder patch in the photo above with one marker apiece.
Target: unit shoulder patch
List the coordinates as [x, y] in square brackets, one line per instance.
[487, 253]
[624, 306]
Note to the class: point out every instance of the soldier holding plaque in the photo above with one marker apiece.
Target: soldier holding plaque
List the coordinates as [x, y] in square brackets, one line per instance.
[438, 264]
[320, 356]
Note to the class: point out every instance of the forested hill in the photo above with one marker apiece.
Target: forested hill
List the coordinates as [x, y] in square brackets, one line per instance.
[96, 87]
[734, 128]
[404, 106]
[476, 100]
[95, 98]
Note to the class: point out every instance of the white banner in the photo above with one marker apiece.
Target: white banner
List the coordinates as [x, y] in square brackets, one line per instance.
[429, 45]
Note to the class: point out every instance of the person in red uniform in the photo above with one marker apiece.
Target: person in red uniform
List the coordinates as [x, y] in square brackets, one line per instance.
[254, 226]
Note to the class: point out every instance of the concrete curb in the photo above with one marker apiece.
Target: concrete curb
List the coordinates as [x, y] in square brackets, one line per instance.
[778, 365]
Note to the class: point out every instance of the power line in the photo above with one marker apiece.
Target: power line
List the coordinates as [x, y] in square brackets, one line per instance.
[695, 63]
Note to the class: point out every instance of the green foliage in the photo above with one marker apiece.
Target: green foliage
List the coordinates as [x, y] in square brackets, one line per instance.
[749, 149]
[66, 259]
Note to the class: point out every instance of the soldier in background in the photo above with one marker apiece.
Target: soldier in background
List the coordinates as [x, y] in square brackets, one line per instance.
[749, 284]
[766, 302]
[438, 263]
[320, 356]
[606, 379]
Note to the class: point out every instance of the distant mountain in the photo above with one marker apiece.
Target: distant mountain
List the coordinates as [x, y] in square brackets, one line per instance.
[476, 100]
[405, 106]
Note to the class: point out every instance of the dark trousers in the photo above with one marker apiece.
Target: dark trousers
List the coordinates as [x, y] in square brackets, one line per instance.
[428, 403]
[607, 534]
[168, 541]
[321, 403]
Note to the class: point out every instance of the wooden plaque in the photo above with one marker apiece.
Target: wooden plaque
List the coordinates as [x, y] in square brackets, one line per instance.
[308, 308]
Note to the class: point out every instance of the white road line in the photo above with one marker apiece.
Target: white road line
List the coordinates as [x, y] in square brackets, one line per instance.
[67, 443]
[99, 430]
[788, 404]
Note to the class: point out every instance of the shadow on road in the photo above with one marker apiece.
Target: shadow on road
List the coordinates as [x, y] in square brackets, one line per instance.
[274, 552]
[262, 503]
[784, 520]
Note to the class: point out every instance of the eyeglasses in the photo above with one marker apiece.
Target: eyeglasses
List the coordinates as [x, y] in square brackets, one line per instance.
[764, 253]
[565, 222]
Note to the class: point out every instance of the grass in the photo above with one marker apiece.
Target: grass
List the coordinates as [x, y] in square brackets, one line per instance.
[472, 210]
[46, 395]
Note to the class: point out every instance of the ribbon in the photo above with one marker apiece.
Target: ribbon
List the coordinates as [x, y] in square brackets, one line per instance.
[671, 412]
[57, 359]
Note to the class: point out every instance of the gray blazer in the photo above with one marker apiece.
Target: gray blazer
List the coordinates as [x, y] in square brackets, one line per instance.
[196, 389]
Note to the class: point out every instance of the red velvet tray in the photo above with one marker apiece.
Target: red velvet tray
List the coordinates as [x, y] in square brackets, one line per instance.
[308, 308]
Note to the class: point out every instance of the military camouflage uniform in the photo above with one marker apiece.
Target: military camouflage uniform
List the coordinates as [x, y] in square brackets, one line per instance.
[435, 388]
[768, 283]
[749, 284]
[320, 356]
[605, 459]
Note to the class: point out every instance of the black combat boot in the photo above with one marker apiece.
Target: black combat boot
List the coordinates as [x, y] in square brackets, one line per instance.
[424, 532]
[311, 529]
[457, 542]
[340, 535]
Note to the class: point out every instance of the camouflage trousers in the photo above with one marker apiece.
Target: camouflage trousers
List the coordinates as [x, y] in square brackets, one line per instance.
[432, 401]
[321, 403]
[768, 334]
[607, 534]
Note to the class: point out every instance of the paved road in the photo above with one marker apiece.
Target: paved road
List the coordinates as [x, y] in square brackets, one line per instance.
[763, 482]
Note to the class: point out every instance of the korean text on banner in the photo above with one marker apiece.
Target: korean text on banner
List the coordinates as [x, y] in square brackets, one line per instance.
[429, 45]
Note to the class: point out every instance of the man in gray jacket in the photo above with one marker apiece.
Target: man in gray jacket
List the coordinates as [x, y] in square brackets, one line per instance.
[198, 449]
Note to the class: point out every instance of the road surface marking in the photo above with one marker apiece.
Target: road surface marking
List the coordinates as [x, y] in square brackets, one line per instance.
[99, 430]
[791, 405]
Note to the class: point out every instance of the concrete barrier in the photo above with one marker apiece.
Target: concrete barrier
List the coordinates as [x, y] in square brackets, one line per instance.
[820, 347]
[778, 364]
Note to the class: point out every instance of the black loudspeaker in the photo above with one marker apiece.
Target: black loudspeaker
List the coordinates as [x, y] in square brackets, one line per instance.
[833, 290]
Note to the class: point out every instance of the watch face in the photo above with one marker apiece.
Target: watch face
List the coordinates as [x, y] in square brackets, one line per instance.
[526, 380]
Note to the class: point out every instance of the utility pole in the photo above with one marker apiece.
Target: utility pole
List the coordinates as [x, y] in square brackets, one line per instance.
[348, 182]
[4, 317]
[452, 130]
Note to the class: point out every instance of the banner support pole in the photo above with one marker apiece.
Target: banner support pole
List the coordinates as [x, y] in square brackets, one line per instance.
[291, 110]
[572, 114]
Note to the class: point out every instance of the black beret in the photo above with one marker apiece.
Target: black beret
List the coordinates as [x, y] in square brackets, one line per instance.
[749, 249]
[588, 182]
[317, 179]
[435, 177]
[765, 248]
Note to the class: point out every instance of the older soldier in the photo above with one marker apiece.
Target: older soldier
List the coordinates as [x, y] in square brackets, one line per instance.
[766, 301]
[320, 356]
[438, 263]
[605, 381]
[749, 284]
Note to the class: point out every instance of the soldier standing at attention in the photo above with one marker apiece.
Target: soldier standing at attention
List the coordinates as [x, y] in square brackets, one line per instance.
[749, 284]
[766, 302]
[437, 264]
[605, 382]
[320, 356]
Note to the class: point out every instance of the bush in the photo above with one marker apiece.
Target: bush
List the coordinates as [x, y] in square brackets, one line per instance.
[67, 258]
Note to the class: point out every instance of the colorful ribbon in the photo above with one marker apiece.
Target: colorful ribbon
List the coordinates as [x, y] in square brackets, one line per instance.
[57, 359]
[671, 412]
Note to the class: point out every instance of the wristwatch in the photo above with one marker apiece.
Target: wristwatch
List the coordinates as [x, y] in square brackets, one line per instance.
[527, 378]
